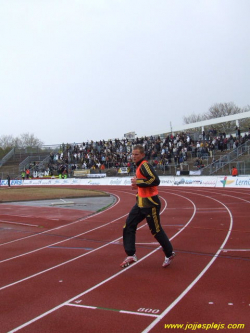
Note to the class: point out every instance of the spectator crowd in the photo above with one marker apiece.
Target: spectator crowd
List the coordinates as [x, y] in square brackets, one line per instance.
[161, 152]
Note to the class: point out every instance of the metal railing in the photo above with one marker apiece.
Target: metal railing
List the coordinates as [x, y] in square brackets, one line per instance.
[11, 172]
[43, 162]
[25, 163]
[228, 159]
[7, 157]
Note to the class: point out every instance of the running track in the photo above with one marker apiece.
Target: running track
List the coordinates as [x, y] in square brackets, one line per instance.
[59, 269]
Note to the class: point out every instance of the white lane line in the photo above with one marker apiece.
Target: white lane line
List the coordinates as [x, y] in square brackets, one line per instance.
[139, 313]
[63, 241]
[68, 261]
[236, 250]
[150, 243]
[56, 266]
[62, 226]
[120, 311]
[108, 279]
[77, 296]
[19, 223]
[14, 215]
[214, 209]
[178, 299]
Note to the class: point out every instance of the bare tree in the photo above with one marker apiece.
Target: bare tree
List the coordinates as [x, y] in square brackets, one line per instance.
[29, 140]
[25, 140]
[7, 141]
[221, 110]
[193, 118]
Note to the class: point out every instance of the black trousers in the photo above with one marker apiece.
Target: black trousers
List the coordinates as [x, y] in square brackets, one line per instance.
[152, 217]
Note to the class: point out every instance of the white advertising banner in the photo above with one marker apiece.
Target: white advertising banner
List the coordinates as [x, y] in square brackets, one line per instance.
[195, 181]
[226, 181]
[188, 181]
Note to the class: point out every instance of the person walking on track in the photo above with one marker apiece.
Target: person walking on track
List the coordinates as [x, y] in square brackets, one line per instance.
[148, 206]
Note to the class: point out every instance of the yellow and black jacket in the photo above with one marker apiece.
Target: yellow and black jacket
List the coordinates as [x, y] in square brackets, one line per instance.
[147, 182]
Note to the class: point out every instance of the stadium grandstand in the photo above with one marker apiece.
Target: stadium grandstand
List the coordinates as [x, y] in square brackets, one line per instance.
[196, 148]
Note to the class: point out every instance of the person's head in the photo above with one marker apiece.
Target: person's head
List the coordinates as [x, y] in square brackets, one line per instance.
[138, 153]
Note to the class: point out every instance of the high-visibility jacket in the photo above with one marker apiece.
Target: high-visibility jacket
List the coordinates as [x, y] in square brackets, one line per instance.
[149, 191]
[234, 172]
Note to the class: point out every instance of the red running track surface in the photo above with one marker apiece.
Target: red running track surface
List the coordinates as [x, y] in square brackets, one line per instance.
[65, 276]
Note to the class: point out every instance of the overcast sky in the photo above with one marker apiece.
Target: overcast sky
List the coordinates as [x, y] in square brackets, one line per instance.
[76, 70]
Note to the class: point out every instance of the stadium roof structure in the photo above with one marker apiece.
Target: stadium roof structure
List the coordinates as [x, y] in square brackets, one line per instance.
[209, 122]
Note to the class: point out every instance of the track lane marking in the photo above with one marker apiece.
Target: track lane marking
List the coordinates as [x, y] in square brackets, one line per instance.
[129, 268]
[179, 298]
[73, 259]
[62, 241]
[236, 250]
[19, 223]
[115, 310]
[109, 278]
[66, 225]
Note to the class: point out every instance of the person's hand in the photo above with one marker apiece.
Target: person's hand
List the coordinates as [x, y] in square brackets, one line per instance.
[133, 183]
